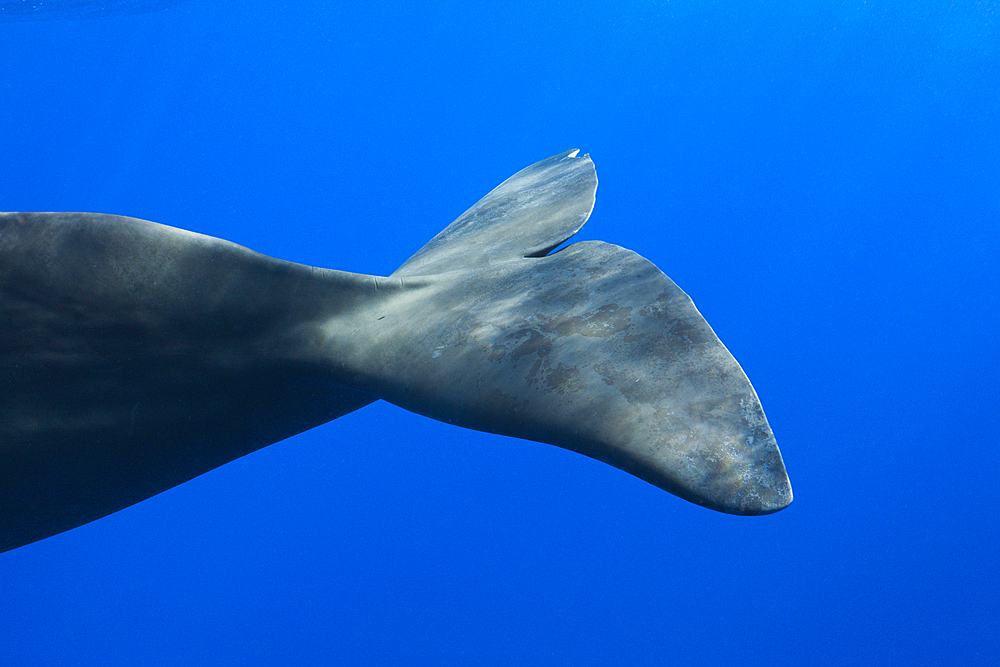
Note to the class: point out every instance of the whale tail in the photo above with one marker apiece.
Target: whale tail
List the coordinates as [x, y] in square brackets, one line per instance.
[135, 356]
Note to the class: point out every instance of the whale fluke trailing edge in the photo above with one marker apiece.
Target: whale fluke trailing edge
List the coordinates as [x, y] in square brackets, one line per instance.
[136, 356]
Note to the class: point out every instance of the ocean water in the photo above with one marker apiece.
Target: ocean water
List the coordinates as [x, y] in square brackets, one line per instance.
[822, 178]
[46, 10]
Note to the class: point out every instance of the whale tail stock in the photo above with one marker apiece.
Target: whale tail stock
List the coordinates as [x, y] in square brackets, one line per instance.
[135, 356]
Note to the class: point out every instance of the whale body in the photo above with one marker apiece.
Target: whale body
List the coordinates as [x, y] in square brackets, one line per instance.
[135, 356]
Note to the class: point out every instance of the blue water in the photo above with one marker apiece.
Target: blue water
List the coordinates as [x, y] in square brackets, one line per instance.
[44, 10]
[822, 178]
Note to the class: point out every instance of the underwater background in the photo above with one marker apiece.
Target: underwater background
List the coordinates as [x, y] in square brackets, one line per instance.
[823, 179]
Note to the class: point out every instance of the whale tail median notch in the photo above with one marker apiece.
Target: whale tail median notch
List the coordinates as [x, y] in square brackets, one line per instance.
[135, 356]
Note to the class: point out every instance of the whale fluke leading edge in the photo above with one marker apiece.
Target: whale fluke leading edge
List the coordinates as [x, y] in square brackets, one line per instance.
[135, 356]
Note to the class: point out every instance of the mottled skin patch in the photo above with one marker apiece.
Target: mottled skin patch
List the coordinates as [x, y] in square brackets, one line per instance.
[607, 320]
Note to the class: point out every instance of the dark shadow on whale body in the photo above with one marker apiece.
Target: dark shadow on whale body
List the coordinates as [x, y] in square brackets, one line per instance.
[38, 10]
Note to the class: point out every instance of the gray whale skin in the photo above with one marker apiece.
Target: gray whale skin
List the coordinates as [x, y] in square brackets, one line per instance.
[135, 356]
